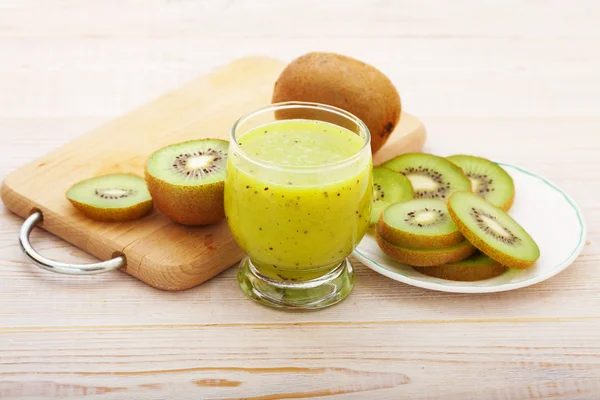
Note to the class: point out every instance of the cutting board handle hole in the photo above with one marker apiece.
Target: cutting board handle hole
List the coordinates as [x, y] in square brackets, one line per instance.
[37, 210]
[121, 254]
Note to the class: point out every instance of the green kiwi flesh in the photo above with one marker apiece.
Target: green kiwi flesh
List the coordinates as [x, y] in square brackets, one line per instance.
[488, 179]
[419, 224]
[388, 187]
[492, 230]
[192, 163]
[475, 268]
[431, 176]
[111, 198]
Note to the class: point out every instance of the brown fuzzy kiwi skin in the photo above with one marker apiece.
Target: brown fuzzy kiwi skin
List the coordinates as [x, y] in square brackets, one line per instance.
[415, 241]
[508, 204]
[424, 258]
[343, 82]
[464, 273]
[486, 249]
[188, 205]
[123, 214]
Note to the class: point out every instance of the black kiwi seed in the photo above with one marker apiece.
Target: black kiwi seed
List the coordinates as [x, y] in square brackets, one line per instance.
[440, 218]
[483, 181]
[103, 193]
[443, 191]
[510, 239]
[181, 161]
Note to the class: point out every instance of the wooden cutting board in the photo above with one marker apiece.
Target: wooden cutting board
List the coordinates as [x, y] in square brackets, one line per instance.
[162, 254]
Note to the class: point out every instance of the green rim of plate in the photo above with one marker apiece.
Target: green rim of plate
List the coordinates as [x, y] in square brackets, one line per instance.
[537, 278]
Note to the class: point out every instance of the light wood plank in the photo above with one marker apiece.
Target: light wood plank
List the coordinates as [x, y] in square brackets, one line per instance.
[383, 361]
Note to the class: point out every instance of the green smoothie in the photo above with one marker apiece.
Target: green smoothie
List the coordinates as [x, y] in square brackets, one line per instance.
[294, 220]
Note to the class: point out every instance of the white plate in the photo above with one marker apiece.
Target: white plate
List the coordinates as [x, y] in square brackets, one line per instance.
[545, 211]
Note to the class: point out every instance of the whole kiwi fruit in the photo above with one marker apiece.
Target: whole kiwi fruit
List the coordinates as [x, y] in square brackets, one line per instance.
[343, 82]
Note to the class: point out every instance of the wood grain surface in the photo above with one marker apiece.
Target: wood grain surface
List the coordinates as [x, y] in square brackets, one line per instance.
[516, 81]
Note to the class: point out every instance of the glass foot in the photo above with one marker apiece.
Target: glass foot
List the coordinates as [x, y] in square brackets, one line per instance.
[314, 294]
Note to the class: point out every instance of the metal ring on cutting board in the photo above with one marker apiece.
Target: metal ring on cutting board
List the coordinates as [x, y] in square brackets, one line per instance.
[59, 267]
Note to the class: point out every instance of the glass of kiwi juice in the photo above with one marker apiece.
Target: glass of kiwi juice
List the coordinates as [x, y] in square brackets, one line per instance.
[298, 197]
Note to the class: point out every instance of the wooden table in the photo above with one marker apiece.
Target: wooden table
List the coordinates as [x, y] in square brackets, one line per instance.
[517, 81]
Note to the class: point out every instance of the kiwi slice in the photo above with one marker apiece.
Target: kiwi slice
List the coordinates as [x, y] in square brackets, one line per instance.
[426, 258]
[431, 176]
[111, 198]
[419, 224]
[488, 179]
[388, 187]
[475, 268]
[492, 230]
[186, 181]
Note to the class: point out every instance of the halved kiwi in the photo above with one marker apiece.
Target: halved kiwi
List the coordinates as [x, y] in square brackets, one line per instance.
[111, 198]
[488, 179]
[426, 258]
[431, 176]
[419, 224]
[492, 230]
[475, 268]
[388, 187]
[186, 181]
